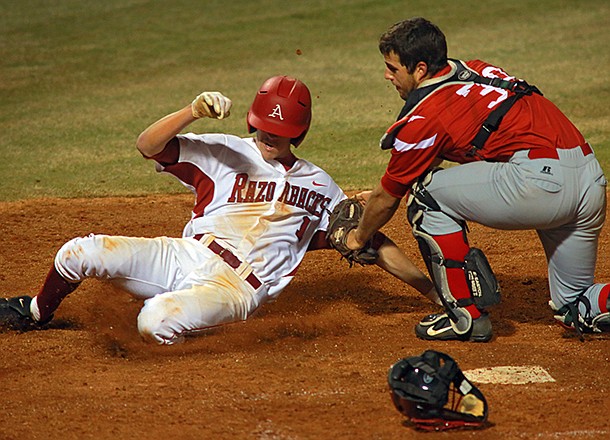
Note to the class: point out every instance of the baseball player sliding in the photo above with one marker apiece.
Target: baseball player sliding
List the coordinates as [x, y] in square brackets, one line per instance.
[524, 166]
[258, 209]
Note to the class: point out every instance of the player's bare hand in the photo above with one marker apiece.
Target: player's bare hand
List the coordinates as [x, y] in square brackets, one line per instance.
[352, 242]
[363, 197]
[211, 105]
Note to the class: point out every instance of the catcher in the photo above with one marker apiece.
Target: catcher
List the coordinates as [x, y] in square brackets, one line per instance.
[258, 209]
[522, 165]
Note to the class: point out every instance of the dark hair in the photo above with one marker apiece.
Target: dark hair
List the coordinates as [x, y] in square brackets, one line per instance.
[416, 40]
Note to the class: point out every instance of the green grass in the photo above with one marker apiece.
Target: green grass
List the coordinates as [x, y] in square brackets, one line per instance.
[79, 80]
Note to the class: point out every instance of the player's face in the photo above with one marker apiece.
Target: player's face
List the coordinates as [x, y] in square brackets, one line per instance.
[398, 75]
[272, 146]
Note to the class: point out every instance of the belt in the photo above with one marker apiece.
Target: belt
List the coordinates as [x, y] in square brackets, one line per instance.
[233, 262]
[551, 153]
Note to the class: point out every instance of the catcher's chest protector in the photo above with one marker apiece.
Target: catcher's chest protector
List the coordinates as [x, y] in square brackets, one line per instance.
[462, 74]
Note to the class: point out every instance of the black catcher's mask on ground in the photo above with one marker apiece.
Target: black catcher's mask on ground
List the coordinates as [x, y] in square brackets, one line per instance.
[434, 394]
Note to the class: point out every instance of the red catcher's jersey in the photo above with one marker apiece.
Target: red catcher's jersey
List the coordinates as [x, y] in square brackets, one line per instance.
[444, 124]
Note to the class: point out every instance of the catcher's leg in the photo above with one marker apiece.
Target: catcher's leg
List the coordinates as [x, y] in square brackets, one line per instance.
[462, 276]
[576, 300]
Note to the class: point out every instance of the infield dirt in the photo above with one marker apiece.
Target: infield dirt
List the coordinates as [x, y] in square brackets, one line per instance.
[312, 365]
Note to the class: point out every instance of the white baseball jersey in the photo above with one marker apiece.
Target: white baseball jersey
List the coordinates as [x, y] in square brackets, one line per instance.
[267, 213]
[251, 225]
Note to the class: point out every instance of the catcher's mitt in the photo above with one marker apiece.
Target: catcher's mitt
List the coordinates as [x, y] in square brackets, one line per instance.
[343, 219]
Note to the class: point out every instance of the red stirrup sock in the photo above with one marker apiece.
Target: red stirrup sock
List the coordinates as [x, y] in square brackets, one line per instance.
[52, 293]
[454, 247]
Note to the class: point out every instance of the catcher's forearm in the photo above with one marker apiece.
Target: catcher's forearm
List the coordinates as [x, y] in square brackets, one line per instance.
[379, 209]
[394, 261]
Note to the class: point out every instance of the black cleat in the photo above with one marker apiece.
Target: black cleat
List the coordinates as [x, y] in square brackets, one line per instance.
[601, 323]
[438, 327]
[15, 314]
[569, 317]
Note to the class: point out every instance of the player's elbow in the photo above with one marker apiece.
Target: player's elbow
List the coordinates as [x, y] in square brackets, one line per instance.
[145, 146]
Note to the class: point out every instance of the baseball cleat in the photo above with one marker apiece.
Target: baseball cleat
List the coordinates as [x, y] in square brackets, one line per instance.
[437, 327]
[601, 323]
[565, 316]
[15, 313]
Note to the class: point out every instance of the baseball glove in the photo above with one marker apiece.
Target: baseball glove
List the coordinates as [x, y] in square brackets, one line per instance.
[343, 219]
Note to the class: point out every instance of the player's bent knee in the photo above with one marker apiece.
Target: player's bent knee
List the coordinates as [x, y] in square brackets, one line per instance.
[93, 256]
[155, 322]
[72, 259]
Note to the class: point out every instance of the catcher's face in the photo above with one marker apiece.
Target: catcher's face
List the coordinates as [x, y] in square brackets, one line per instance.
[399, 76]
[271, 146]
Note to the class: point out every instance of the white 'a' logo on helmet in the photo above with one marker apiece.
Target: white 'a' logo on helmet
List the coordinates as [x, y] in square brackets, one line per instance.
[276, 112]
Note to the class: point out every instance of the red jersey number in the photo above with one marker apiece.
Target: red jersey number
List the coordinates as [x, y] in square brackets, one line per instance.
[301, 232]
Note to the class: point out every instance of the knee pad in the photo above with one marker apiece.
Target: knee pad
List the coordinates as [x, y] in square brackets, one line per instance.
[482, 283]
[420, 200]
[436, 264]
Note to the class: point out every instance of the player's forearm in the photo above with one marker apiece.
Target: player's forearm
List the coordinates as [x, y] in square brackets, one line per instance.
[152, 140]
[380, 208]
[395, 261]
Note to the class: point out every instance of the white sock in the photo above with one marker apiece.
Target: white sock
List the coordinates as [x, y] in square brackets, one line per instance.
[34, 311]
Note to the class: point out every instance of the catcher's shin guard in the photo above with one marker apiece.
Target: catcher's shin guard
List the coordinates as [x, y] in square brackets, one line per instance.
[432, 254]
[481, 282]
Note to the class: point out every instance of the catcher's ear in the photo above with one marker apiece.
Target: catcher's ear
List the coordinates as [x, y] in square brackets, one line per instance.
[420, 72]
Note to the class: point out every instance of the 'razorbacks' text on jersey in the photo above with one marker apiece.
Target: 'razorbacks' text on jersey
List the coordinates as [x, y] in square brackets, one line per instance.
[268, 212]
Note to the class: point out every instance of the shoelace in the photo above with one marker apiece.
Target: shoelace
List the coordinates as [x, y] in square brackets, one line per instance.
[580, 325]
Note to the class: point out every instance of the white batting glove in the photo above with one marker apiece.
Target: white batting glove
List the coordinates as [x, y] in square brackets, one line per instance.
[212, 105]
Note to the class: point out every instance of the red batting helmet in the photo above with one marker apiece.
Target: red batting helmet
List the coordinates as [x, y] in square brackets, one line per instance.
[282, 107]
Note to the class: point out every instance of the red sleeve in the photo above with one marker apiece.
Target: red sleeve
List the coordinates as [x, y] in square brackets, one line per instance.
[415, 149]
[170, 153]
[393, 188]
[318, 241]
